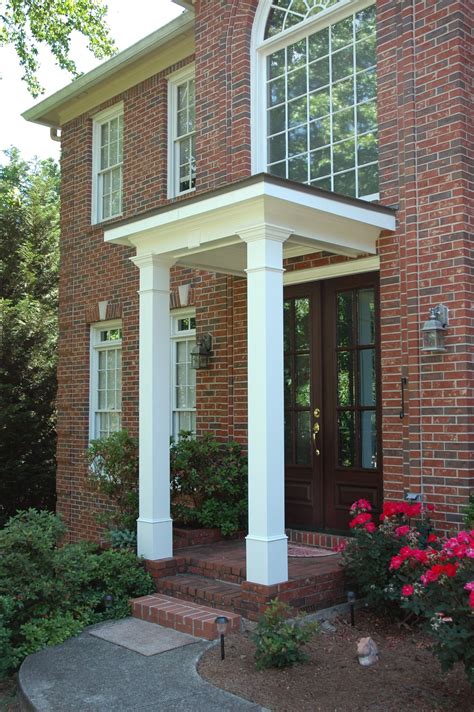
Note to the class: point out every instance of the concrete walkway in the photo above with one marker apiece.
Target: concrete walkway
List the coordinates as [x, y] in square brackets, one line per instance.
[90, 674]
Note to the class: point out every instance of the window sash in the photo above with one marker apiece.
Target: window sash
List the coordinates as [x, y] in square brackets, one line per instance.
[108, 165]
[182, 146]
[105, 381]
[183, 382]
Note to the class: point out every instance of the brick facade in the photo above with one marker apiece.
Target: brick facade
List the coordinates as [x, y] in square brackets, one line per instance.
[423, 95]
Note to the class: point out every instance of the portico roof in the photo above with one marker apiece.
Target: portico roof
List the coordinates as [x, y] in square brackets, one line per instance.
[203, 230]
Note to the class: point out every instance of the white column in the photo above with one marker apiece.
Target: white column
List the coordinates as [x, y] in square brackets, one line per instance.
[267, 546]
[155, 528]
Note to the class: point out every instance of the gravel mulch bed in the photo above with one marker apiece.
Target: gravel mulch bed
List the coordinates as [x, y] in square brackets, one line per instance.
[406, 678]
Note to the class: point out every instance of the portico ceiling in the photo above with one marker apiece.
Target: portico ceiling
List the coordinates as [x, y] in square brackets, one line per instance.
[203, 230]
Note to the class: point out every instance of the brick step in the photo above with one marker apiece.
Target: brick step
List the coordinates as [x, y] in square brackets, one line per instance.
[201, 589]
[188, 618]
[230, 573]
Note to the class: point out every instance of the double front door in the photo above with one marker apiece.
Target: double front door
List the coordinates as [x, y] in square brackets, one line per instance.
[332, 392]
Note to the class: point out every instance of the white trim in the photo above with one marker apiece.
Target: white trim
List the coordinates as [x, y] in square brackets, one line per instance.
[94, 342]
[174, 80]
[341, 269]
[98, 120]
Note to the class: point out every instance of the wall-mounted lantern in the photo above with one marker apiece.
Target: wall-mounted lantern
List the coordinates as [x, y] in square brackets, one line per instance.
[434, 329]
[202, 352]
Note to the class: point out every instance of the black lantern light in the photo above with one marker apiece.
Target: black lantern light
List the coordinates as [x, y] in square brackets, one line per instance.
[222, 622]
[351, 599]
[108, 600]
[434, 329]
[202, 352]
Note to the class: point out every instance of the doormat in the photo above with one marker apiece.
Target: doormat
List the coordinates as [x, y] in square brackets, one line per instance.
[306, 552]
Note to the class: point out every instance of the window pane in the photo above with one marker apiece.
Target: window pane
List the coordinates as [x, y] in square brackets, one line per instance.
[367, 149]
[341, 33]
[276, 64]
[297, 83]
[276, 91]
[345, 379]
[368, 180]
[298, 169]
[319, 133]
[343, 94]
[297, 111]
[344, 319]
[320, 163]
[342, 64]
[366, 85]
[277, 148]
[297, 142]
[367, 377]
[287, 325]
[319, 103]
[276, 120]
[319, 74]
[365, 53]
[302, 323]
[343, 124]
[318, 44]
[344, 155]
[344, 183]
[302, 380]
[303, 438]
[346, 443]
[366, 299]
[368, 439]
[296, 54]
[288, 438]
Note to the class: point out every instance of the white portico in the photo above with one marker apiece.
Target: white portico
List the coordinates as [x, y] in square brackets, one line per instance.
[245, 229]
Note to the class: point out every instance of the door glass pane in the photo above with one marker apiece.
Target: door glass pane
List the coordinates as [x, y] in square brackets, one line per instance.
[287, 325]
[368, 439]
[288, 441]
[302, 324]
[302, 380]
[345, 378]
[367, 385]
[287, 382]
[303, 438]
[346, 444]
[344, 318]
[366, 316]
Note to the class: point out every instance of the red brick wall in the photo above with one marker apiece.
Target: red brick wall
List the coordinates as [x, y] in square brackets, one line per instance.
[424, 151]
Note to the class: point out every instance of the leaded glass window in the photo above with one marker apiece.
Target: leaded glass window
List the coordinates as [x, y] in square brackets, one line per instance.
[321, 103]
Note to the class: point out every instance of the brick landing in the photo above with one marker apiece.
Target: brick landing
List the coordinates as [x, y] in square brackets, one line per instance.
[214, 576]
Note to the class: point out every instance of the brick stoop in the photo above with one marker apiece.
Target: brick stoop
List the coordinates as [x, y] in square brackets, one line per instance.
[202, 590]
[188, 618]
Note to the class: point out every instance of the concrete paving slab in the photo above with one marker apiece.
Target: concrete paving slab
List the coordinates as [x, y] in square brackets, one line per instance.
[142, 637]
[89, 674]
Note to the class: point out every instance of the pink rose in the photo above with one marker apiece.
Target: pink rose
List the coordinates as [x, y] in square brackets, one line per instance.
[403, 530]
[370, 527]
[469, 586]
[408, 590]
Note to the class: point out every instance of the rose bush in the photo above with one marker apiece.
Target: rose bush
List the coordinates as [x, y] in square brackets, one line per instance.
[367, 556]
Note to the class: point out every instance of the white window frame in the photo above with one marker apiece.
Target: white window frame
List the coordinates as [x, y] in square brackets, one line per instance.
[174, 81]
[98, 120]
[261, 48]
[95, 347]
[177, 336]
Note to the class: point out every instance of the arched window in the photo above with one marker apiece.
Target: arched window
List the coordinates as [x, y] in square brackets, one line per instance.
[314, 95]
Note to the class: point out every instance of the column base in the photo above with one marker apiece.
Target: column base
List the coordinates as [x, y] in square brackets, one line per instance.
[155, 538]
[267, 559]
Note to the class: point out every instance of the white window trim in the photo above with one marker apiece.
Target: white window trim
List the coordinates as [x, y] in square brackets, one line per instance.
[97, 120]
[174, 80]
[261, 48]
[95, 330]
[175, 336]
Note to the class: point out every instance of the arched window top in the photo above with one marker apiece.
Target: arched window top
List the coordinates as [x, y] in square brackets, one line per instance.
[284, 14]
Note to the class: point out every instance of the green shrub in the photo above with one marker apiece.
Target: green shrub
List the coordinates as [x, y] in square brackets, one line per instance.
[279, 641]
[469, 513]
[113, 471]
[208, 483]
[49, 592]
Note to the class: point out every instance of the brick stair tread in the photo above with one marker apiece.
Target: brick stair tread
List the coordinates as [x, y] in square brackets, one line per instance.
[187, 617]
[202, 588]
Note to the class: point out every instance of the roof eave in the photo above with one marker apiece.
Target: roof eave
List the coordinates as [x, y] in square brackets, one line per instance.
[40, 112]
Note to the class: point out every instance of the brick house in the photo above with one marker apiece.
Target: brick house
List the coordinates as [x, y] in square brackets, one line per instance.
[290, 178]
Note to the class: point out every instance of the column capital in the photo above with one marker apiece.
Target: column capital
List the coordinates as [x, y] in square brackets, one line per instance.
[265, 231]
[150, 259]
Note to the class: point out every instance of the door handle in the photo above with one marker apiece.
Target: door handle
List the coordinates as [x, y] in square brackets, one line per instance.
[316, 428]
[316, 451]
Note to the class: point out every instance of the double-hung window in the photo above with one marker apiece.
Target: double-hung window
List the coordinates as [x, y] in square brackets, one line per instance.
[182, 140]
[183, 396]
[108, 164]
[105, 379]
[316, 94]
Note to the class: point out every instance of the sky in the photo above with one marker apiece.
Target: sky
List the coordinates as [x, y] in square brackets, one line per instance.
[129, 22]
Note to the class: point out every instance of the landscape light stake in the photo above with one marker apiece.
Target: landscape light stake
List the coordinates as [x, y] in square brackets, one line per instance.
[351, 598]
[108, 600]
[222, 622]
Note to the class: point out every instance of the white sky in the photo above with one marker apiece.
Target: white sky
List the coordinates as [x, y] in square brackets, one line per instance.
[129, 22]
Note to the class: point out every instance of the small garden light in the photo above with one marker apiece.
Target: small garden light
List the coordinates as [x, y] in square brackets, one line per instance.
[351, 599]
[222, 622]
[108, 600]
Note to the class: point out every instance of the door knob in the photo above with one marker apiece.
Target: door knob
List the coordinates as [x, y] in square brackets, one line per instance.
[316, 428]
[316, 412]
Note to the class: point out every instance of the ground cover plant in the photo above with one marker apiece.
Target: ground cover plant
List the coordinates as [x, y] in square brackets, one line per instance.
[208, 483]
[402, 564]
[50, 592]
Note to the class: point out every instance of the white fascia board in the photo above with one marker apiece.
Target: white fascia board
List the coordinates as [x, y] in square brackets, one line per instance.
[111, 67]
[187, 4]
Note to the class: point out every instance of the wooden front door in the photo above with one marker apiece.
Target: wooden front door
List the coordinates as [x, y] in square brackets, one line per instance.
[332, 394]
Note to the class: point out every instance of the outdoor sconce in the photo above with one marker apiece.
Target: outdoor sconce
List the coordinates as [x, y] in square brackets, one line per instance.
[222, 622]
[351, 599]
[434, 329]
[202, 352]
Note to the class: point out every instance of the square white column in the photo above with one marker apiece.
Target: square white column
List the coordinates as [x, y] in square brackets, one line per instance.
[266, 543]
[154, 526]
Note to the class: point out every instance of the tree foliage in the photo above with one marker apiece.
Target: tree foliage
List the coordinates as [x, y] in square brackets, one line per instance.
[28, 24]
[29, 256]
